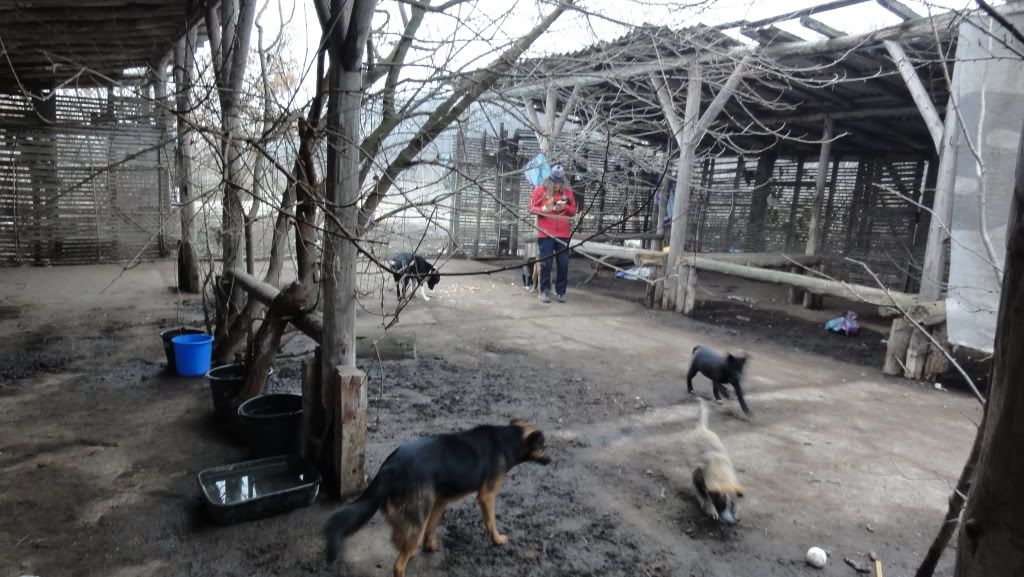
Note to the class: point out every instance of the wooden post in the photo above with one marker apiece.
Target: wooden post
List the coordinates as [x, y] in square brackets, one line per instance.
[896, 348]
[163, 187]
[934, 267]
[737, 181]
[689, 293]
[814, 229]
[342, 193]
[942, 210]
[42, 173]
[936, 362]
[480, 197]
[759, 201]
[314, 415]
[350, 432]
[659, 225]
[795, 295]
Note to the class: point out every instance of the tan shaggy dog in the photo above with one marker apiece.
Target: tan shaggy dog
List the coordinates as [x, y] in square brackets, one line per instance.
[714, 477]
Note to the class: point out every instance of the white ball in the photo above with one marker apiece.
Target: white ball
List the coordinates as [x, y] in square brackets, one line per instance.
[816, 557]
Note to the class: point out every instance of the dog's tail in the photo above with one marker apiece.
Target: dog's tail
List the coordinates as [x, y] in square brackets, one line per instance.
[351, 518]
[694, 349]
[702, 421]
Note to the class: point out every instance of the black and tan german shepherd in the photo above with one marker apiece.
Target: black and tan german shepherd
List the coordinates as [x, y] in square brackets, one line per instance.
[420, 478]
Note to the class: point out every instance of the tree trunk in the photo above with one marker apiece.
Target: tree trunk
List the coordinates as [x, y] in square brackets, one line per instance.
[990, 543]
[188, 258]
[233, 219]
[339, 259]
[294, 300]
[687, 141]
[230, 49]
[956, 505]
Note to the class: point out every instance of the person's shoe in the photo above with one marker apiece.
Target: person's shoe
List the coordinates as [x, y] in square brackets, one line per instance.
[544, 298]
[561, 298]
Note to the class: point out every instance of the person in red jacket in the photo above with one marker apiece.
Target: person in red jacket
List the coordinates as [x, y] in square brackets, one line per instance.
[554, 204]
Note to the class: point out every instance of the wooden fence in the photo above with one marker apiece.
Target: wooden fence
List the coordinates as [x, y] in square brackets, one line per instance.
[83, 180]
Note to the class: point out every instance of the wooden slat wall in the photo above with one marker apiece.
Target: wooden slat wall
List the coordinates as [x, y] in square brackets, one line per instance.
[862, 219]
[83, 188]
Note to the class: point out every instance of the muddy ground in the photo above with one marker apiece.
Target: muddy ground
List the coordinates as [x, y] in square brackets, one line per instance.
[99, 446]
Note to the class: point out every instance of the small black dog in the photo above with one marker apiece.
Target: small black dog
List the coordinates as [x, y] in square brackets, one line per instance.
[413, 268]
[721, 370]
[422, 477]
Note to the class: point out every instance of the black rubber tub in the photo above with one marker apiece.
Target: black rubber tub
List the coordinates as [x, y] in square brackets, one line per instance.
[272, 424]
[226, 381]
[260, 488]
[167, 334]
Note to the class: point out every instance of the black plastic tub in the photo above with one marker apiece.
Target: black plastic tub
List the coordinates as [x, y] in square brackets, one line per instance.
[167, 334]
[260, 488]
[272, 424]
[226, 381]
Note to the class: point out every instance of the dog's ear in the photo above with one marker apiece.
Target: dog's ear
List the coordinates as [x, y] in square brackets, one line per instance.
[535, 448]
[735, 361]
[534, 441]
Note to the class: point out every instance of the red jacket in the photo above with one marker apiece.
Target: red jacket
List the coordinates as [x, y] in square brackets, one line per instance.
[555, 223]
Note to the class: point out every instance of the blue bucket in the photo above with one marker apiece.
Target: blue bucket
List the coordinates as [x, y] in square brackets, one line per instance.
[192, 354]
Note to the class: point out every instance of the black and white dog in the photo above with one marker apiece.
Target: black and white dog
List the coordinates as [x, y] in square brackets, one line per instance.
[413, 268]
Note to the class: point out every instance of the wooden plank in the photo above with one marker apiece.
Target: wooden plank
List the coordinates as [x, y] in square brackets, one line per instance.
[917, 91]
[350, 431]
[814, 285]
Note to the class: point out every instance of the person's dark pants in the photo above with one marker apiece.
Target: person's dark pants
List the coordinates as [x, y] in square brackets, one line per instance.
[547, 247]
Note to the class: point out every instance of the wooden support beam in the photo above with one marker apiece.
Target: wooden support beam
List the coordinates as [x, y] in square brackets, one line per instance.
[768, 35]
[896, 346]
[934, 265]
[758, 212]
[852, 114]
[720, 100]
[917, 91]
[816, 285]
[820, 27]
[814, 229]
[900, 9]
[824, 156]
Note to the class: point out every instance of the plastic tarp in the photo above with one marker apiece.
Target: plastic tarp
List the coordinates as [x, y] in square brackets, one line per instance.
[989, 87]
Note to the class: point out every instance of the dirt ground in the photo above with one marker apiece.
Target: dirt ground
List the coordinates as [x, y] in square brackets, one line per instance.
[99, 447]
